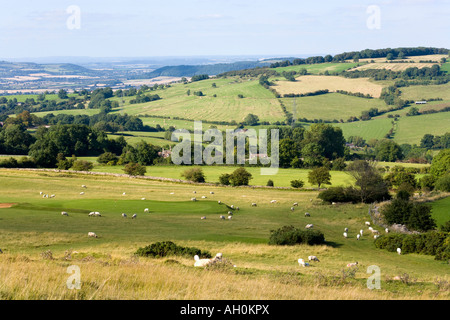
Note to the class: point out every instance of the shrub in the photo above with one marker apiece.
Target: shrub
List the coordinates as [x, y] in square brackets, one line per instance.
[270, 183]
[224, 179]
[427, 182]
[443, 183]
[289, 235]
[340, 194]
[297, 183]
[134, 169]
[82, 165]
[194, 175]
[167, 248]
[240, 177]
[108, 158]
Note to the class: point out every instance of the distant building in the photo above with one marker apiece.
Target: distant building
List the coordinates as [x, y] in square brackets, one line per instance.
[252, 156]
[165, 153]
[421, 102]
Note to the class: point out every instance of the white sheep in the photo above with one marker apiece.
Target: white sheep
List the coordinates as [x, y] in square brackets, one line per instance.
[399, 250]
[253, 204]
[295, 204]
[367, 223]
[375, 231]
[232, 206]
[205, 262]
[302, 263]
[386, 230]
[273, 201]
[222, 217]
[81, 193]
[307, 214]
[352, 264]
[219, 202]
[83, 186]
[92, 234]
[142, 198]
[52, 196]
[361, 232]
[124, 215]
[194, 192]
[370, 228]
[203, 197]
[41, 193]
[376, 236]
[211, 192]
[97, 214]
[91, 214]
[292, 208]
[193, 199]
[345, 235]
[64, 213]
[203, 218]
[358, 236]
[346, 229]
[134, 216]
[237, 208]
[230, 213]
[313, 258]
[309, 226]
[146, 210]
[230, 217]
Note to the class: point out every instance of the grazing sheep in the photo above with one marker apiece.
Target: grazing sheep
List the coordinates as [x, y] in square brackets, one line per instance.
[134, 216]
[361, 232]
[52, 196]
[367, 223]
[295, 204]
[370, 228]
[219, 202]
[205, 262]
[91, 214]
[194, 192]
[222, 217]
[142, 198]
[353, 264]
[211, 192]
[124, 194]
[253, 204]
[193, 199]
[345, 235]
[346, 229]
[97, 214]
[375, 231]
[358, 236]
[308, 226]
[313, 258]
[146, 210]
[333, 203]
[230, 217]
[172, 193]
[83, 186]
[302, 263]
[81, 193]
[203, 197]
[386, 230]
[307, 214]
[230, 213]
[64, 213]
[203, 218]
[41, 193]
[273, 201]
[399, 251]
[92, 234]
[292, 208]
[124, 215]
[237, 208]
[376, 236]
[232, 206]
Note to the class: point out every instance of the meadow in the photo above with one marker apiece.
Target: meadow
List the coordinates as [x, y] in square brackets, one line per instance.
[39, 244]
[320, 67]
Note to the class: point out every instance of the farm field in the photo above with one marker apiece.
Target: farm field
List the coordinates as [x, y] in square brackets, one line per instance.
[319, 67]
[331, 106]
[306, 84]
[426, 92]
[371, 129]
[394, 66]
[39, 244]
[133, 137]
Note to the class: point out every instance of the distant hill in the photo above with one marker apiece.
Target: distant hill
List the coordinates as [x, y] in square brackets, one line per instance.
[210, 69]
[27, 68]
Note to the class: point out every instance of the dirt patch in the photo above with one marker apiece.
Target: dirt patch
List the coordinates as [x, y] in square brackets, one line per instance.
[6, 205]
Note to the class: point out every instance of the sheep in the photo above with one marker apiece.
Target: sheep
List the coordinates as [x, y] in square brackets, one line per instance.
[205, 262]
[367, 223]
[211, 192]
[232, 206]
[142, 198]
[308, 226]
[203, 218]
[124, 215]
[237, 208]
[41, 193]
[64, 213]
[203, 197]
[313, 258]
[193, 199]
[219, 202]
[352, 264]
[254, 204]
[376, 236]
[345, 235]
[83, 186]
[292, 208]
[124, 194]
[273, 201]
[333, 203]
[91, 214]
[134, 216]
[375, 231]
[386, 230]
[172, 193]
[222, 217]
[81, 193]
[92, 234]
[52, 196]
[230, 213]
[307, 214]
[230, 217]
[370, 228]
[399, 250]
[361, 232]
[346, 229]
[146, 210]
[358, 236]
[97, 214]
[295, 204]
[302, 263]
[194, 192]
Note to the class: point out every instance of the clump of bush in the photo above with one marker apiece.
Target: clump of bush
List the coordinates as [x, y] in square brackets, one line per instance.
[432, 243]
[134, 169]
[168, 248]
[289, 235]
[340, 194]
[194, 175]
[297, 183]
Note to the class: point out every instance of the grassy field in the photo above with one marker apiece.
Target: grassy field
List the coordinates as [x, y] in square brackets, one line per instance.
[319, 67]
[39, 244]
[226, 106]
[331, 106]
[371, 129]
[395, 66]
[306, 84]
[426, 92]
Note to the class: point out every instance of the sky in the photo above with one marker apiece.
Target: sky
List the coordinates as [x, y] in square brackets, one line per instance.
[149, 28]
